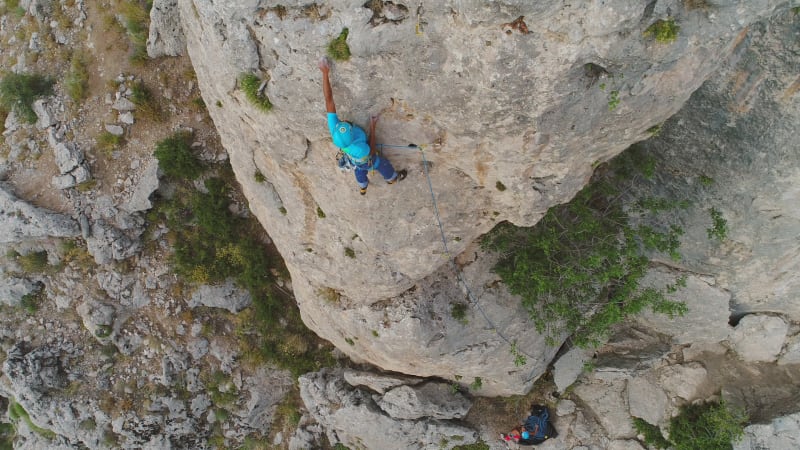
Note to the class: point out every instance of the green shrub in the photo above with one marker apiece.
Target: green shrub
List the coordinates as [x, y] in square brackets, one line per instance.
[349, 252]
[19, 91]
[250, 84]
[76, 80]
[146, 104]
[664, 31]
[259, 177]
[176, 159]
[338, 49]
[578, 270]
[476, 446]
[320, 213]
[709, 426]
[652, 434]
[459, 312]
[500, 186]
[719, 226]
[7, 435]
[30, 302]
[476, 384]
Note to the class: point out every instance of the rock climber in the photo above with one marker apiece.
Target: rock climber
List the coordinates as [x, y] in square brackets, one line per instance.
[352, 140]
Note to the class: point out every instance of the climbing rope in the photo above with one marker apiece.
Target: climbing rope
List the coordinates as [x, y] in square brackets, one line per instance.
[459, 276]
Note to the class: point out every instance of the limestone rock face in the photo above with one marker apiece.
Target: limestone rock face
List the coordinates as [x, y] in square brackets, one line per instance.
[782, 432]
[759, 337]
[513, 102]
[21, 221]
[351, 416]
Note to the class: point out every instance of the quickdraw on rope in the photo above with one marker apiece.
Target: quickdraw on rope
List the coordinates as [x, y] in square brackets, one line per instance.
[459, 276]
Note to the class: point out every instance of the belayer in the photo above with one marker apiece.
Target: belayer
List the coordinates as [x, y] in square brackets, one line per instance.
[359, 150]
[536, 429]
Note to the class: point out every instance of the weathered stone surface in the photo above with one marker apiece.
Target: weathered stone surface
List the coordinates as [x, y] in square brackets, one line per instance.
[377, 382]
[683, 380]
[646, 400]
[565, 407]
[97, 317]
[114, 129]
[123, 104]
[781, 433]
[608, 404]
[791, 353]
[707, 318]
[350, 416]
[13, 288]
[34, 371]
[569, 367]
[108, 243]
[759, 337]
[518, 108]
[44, 116]
[68, 156]
[226, 296]
[435, 400]
[21, 221]
[166, 35]
[143, 188]
[625, 445]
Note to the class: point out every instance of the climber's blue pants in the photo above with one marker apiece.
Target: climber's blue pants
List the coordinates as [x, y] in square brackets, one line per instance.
[382, 165]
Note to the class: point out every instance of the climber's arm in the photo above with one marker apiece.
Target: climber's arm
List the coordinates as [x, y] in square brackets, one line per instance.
[325, 68]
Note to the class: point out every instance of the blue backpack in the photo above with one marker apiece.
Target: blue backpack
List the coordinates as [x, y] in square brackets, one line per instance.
[538, 426]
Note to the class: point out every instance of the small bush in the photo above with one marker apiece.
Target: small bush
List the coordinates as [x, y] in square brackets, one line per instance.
[500, 186]
[664, 31]
[250, 85]
[709, 426]
[259, 177]
[338, 49]
[476, 384]
[719, 227]
[459, 312]
[108, 142]
[19, 91]
[349, 252]
[146, 104]
[176, 159]
[33, 262]
[613, 100]
[652, 434]
[320, 213]
[76, 81]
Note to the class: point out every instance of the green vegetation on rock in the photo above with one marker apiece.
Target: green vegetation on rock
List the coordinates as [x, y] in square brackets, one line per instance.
[663, 31]
[578, 270]
[710, 426]
[18, 91]
[338, 49]
[251, 86]
[175, 157]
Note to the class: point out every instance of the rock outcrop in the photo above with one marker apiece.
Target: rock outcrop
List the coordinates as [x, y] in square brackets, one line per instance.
[513, 103]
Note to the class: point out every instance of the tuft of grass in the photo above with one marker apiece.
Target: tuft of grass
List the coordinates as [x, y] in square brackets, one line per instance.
[16, 412]
[655, 130]
[259, 177]
[176, 159]
[663, 31]
[710, 426]
[320, 213]
[18, 91]
[251, 85]
[338, 49]
[33, 262]
[136, 18]
[349, 252]
[500, 186]
[719, 227]
[76, 80]
[146, 104]
[107, 142]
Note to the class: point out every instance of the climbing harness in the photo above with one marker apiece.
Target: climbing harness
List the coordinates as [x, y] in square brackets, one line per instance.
[472, 298]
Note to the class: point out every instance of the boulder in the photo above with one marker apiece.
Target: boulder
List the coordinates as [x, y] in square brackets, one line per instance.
[379, 383]
[607, 402]
[759, 337]
[226, 296]
[434, 400]
[780, 433]
[350, 416]
[791, 354]
[569, 367]
[98, 318]
[682, 380]
[20, 221]
[708, 310]
[143, 188]
[646, 400]
[166, 34]
[12, 288]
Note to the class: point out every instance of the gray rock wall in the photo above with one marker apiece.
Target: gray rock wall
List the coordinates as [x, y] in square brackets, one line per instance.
[510, 115]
